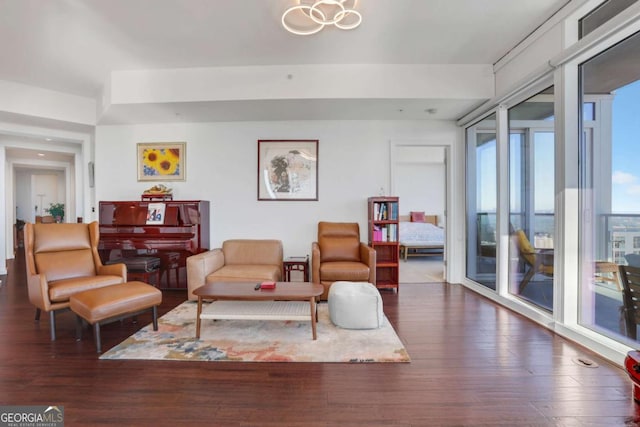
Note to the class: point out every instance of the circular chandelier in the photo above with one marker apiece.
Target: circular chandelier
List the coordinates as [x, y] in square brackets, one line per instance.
[311, 16]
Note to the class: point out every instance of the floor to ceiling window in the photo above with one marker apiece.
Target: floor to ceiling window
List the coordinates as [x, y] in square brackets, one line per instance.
[531, 199]
[565, 267]
[482, 190]
[610, 186]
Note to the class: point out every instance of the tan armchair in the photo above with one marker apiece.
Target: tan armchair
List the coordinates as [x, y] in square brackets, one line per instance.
[62, 259]
[339, 255]
[238, 260]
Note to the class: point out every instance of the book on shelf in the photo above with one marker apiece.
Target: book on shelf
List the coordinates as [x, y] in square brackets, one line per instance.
[393, 233]
[155, 213]
[377, 234]
[382, 211]
[394, 211]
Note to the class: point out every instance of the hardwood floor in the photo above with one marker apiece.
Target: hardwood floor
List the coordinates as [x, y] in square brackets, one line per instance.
[473, 363]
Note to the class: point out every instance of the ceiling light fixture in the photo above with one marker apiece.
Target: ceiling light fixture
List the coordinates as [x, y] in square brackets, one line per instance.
[311, 16]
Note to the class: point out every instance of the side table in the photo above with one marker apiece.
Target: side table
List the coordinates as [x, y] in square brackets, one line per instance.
[295, 263]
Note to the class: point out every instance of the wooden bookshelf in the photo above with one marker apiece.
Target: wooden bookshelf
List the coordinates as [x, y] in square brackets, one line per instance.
[383, 229]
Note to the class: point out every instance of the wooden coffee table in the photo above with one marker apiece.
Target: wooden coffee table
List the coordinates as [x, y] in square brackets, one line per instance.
[240, 300]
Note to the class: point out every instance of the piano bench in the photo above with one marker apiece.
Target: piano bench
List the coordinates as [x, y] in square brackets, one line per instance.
[143, 268]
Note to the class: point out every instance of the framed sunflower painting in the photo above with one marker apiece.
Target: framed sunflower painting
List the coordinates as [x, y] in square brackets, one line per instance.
[161, 161]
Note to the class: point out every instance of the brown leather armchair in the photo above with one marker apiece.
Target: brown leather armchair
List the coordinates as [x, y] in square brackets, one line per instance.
[339, 255]
[62, 259]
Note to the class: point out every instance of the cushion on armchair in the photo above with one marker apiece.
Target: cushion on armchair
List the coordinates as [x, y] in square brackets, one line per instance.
[252, 251]
[339, 241]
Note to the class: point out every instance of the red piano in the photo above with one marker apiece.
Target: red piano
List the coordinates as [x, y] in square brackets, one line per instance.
[126, 232]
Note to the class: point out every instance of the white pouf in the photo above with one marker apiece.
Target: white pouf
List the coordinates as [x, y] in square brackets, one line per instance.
[355, 305]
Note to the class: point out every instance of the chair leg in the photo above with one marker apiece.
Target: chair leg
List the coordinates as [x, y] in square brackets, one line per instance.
[78, 328]
[154, 309]
[38, 311]
[96, 333]
[631, 330]
[52, 324]
[525, 280]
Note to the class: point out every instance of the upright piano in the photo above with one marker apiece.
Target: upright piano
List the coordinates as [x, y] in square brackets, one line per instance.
[125, 232]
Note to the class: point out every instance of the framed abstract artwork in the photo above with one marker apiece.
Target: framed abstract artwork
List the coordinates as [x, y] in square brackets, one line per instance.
[288, 169]
[160, 161]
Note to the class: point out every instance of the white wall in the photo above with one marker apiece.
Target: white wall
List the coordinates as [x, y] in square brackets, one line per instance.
[421, 187]
[420, 179]
[221, 167]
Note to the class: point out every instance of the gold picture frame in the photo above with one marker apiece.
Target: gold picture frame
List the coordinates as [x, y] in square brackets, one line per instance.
[161, 161]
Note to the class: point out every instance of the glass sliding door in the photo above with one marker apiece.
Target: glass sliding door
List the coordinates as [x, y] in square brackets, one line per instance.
[531, 199]
[482, 190]
[610, 187]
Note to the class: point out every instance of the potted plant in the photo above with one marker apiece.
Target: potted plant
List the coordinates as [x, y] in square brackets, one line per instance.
[56, 210]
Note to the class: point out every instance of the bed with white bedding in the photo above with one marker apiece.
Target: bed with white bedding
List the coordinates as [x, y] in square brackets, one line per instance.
[420, 238]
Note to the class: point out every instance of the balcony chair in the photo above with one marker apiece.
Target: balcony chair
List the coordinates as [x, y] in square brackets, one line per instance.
[537, 261]
[62, 259]
[338, 255]
[630, 278]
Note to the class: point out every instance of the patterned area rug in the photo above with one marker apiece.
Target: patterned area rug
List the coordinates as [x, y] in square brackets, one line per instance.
[259, 341]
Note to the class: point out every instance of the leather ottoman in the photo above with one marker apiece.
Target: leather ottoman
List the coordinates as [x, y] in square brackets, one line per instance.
[111, 303]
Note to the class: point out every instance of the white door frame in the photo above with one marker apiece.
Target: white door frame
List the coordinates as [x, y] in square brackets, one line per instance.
[449, 219]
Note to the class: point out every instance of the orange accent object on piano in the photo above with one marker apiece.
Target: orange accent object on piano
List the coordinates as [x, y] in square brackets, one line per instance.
[268, 285]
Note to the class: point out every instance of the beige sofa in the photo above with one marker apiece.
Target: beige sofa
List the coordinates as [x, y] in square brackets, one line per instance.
[238, 260]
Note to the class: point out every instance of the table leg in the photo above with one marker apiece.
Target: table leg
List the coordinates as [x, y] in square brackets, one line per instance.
[198, 317]
[314, 318]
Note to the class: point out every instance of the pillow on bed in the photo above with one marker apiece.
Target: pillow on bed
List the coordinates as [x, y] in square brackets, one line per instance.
[417, 216]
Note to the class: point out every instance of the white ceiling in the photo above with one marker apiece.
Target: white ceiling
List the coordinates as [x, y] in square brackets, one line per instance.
[72, 45]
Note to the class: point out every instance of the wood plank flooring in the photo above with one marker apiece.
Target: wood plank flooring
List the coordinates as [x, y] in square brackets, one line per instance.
[473, 363]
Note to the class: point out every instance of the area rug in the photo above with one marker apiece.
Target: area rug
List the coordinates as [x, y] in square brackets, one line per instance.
[259, 341]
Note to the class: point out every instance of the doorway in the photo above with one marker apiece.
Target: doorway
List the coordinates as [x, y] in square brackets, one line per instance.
[419, 179]
[34, 184]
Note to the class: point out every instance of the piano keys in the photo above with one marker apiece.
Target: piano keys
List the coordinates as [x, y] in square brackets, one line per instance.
[124, 233]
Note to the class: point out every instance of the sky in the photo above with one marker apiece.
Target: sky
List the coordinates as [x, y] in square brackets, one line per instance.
[625, 159]
[625, 191]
